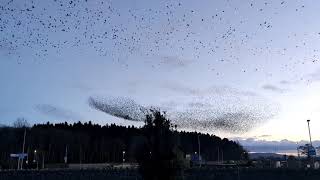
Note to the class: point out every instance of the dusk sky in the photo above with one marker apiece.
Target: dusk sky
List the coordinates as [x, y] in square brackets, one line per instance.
[234, 68]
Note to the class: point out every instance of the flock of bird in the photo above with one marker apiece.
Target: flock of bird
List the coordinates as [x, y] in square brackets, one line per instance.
[235, 113]
[46, 28]
[51, 28]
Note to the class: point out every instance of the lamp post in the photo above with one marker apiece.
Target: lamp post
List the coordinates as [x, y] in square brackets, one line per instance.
[34, 155]
[299, 160]
[310, 147]
[36, 158]
[309, 131]
[123, 154]
[24, 144]
[42, 160]
[200, 159]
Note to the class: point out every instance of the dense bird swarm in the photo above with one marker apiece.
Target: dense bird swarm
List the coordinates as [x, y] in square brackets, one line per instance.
[228, 116]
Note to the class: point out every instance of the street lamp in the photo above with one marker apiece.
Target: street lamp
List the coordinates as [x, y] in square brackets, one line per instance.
[123, 159]
[34, 155]
[308, 121]
[36, 158]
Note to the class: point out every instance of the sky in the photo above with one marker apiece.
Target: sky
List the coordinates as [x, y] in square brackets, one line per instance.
[234, 68]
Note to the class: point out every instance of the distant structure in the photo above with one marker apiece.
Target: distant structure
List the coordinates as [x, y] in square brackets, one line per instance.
[308, 149]
[308, 121]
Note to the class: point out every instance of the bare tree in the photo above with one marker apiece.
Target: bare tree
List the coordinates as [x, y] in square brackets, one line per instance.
[21, 123]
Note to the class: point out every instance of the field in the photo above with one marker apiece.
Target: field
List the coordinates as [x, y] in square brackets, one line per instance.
[191, 174]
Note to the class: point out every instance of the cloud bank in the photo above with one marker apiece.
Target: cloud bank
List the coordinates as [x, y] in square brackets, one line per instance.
[57, 112]
[272, 88]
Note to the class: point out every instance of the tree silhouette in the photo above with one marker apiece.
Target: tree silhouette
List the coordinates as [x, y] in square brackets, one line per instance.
[94, 143]
[21, 123]
[159, 156]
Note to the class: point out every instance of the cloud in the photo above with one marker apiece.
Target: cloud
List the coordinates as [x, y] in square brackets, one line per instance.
[315, 76]
[255, 145]
[285, 82]
[179, 88]
[258, 145]
[197, 105]
[273, 88]
[264, 136]
[170, 62]
[220, 90]
[175, 61]
[57, 112]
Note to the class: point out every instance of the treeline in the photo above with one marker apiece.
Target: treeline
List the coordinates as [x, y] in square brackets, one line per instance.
[93, 143]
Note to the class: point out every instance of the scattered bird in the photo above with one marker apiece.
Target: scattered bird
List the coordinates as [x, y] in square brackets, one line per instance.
[51, 28]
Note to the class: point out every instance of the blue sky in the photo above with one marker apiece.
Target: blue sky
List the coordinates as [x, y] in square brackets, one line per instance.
[253, 63]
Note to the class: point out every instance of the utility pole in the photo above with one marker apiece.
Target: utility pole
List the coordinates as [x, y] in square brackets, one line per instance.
[80, 157]
[222, 155]
[309, 131]
[298, 153]
[218, 155]
[200, 159]
[20, 161]
[123, 159]
[312, 157]
[36, 159]
[42, 160]
[66, 155]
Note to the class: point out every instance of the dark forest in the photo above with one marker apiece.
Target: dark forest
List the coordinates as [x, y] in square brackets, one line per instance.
[94, 143]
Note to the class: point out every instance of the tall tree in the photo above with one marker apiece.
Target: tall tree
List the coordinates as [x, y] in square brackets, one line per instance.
[21, 123]
[159, 158]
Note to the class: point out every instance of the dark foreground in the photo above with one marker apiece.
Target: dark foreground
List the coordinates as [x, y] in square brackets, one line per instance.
[192, 174]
